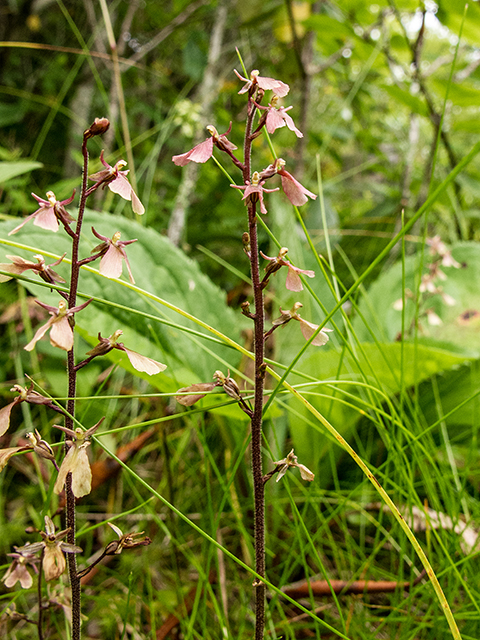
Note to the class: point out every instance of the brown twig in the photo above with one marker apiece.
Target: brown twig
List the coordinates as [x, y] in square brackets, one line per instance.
[319, 588]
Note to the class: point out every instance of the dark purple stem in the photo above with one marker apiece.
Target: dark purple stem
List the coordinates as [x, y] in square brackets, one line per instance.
[39, 592]
[72, 388]
[260, 367]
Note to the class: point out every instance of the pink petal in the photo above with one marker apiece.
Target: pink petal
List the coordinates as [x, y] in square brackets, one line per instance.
[46, 219]
[201, 153]
[280, 88]
[291, 125]
[293, 282]
[137, 206]
[187, 401]
[23, 577]
[111, 263]
[5, 417]
[182, 159]
[61, 334]
[142, 363]
[121, 186]
[38, 335]
[308, 329]
[295, 192]
[274, 120]
[32, 215]
[66, 466]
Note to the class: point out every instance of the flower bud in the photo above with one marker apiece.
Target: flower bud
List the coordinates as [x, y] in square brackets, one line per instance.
[98, 128]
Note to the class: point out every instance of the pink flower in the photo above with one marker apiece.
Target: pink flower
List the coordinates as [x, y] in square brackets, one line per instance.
[118, 183]
[254, 191]
[48, 214]
[19, 265]
[267, 84]
[295, 192]
[293, 282]
[437, 246]
[203, 151]
[17, 571]
[307, 328]
[138, 362]
[277, 117]
[113, 252]
[61, 332]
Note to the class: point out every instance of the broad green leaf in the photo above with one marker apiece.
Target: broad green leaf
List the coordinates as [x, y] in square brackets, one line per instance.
[460, 322]
[9, 170]
[415, 104]
[377, 366]
[159, 268]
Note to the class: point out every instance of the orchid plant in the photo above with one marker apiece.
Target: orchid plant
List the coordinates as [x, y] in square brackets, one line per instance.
[255, 194]
[73, 477]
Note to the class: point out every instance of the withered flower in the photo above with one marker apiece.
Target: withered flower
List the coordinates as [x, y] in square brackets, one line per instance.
[6, 454]
[126, 541]
[41, 447]
[25, 395]
[76, 461]
[53, 548]
[291, 461]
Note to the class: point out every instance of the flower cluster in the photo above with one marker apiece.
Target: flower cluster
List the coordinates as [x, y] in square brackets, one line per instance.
[274, 118]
